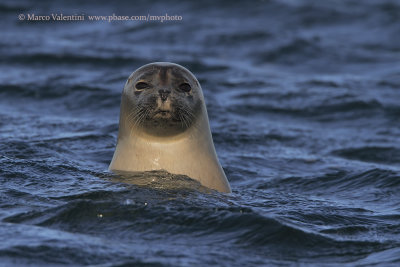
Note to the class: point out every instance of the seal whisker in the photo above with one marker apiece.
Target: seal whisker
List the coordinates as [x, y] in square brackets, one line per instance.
[134, 116]
[184, 115]
[187, 115]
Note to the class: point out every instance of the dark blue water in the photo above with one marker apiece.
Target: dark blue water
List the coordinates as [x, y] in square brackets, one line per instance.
[304, 105]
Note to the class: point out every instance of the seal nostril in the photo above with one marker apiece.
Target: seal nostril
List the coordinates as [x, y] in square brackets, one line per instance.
[164, 94]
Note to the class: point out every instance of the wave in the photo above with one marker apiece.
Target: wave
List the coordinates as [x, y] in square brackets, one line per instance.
[293, 51]
[342, 181]
[53, 90]
[313, 52]
[26, 245]
[127, 214]
[346, 110]
[388, 155]
[4, 8]
[72, 98]
[242, 138]
[49, 59]
[234, 38]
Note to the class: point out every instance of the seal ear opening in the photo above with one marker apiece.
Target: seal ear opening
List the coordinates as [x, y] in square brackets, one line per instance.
[128, 81]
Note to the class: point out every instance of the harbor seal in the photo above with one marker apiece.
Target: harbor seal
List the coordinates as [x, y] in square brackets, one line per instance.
[164, 125]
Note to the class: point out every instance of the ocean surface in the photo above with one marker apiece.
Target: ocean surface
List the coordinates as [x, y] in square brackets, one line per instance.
[304, 105]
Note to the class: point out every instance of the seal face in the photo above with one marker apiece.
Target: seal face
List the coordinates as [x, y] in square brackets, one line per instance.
[164, 126]
[165, 99]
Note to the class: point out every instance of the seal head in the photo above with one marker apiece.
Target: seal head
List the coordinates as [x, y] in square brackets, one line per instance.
[165, 99]
[164, 126]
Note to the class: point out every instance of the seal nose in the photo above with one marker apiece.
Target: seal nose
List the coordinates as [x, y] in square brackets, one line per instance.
[164, 94]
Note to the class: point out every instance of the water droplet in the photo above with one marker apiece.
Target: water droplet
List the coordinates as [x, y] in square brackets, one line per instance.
[129, 202]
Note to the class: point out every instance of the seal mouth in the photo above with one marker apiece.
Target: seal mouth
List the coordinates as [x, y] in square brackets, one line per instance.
[162, 114]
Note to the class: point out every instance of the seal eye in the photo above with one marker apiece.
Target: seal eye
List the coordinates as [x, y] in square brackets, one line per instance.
[142, 85]
[185, 87]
